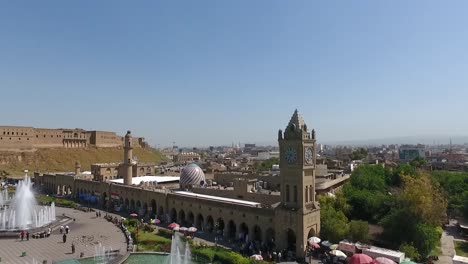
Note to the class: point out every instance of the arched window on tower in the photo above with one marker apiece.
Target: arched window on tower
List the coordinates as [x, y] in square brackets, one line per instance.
[287, 193]
[311, 193]
[295, 193]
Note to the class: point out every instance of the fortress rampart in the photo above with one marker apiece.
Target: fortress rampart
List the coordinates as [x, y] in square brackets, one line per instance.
[17, 138]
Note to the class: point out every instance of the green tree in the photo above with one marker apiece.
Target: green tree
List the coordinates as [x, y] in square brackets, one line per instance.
[369, 177]
[266, 165]
[359, 231]
[424, 200]
[333, 224]
[359, 154]
[410, 251]
[418, 162]
[426, 238]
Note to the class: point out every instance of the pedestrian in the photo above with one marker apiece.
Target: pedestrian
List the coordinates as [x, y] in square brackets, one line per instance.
[73, 248]
[61, 229]
[22, 235]
[67, 229]
[64, 238]
[97, 214]
[27, 236]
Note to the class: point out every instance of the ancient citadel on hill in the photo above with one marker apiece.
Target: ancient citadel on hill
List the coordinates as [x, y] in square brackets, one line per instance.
[23, 139]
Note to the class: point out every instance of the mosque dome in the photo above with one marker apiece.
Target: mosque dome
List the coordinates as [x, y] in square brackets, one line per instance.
[191, 175]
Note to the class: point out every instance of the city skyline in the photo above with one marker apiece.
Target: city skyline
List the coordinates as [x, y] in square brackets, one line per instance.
[212, 73]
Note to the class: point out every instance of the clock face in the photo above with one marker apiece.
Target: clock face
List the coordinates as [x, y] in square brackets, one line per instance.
[291, 155]
[308, 155]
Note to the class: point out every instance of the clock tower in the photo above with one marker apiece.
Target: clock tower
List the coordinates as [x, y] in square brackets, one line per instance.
[298, 210]
[297, 164]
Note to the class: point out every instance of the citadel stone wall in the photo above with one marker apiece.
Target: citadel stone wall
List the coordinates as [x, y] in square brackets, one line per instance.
[19, 139]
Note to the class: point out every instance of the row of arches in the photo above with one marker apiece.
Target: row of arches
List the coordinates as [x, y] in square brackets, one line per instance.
[220, 226]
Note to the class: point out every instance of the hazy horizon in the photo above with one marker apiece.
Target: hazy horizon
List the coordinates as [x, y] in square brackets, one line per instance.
[211, 72]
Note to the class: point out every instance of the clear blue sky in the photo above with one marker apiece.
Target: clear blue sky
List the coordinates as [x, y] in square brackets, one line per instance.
[213, 72]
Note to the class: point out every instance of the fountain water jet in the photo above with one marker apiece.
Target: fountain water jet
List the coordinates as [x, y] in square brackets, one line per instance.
[101, 256]
[23, 211]
[177, 246]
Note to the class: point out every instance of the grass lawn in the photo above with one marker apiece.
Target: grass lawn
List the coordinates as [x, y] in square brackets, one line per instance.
[151, 242]
[461, 248]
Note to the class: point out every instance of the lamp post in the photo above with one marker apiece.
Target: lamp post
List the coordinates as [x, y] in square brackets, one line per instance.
[138, 231]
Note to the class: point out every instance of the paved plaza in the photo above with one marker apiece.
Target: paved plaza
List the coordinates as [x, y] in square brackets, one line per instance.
[87, 231]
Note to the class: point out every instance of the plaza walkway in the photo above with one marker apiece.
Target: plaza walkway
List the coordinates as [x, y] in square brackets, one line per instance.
[446, 241]
[87, 231]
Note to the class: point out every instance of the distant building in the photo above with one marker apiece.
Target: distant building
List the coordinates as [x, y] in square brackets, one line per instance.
[410, 152]
[265, 155]
[187, 157]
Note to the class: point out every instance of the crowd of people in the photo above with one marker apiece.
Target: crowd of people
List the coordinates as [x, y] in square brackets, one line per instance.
[119, 222]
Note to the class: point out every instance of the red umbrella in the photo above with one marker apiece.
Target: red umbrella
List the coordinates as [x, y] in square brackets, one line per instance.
[173, 225]
[360, 259]
[133, 215]
[383, 260]
[314, 245]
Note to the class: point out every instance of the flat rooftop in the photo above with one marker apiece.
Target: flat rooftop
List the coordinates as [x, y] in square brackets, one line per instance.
[158, 179]
[218, 199]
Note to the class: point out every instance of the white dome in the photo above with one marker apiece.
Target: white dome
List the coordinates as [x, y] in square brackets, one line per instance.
[192, 175]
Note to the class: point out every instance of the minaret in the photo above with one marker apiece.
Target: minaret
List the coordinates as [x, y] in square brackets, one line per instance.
[128, 154]
[77, 168]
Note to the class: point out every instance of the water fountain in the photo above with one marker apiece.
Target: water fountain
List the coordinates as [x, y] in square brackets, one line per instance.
[23, 211]
[177, 246]
[101, 255]
[4, 197]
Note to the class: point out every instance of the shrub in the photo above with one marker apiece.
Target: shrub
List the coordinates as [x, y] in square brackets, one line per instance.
[205, 254]
[410, 251]
[131, 222]
[229, 257]
[165, 233]
[148, 228]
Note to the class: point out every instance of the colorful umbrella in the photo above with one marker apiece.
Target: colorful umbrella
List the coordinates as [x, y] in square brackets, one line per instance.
[256, 257]
[314, 239]
[134, 215]
[173, 225]
[360, 259]
[326, 243]
[183, 229]
[192, 229]
[176, 228]
[334, 246]
[383, 260]
[314, 245]
[156, 221]
[337, 253]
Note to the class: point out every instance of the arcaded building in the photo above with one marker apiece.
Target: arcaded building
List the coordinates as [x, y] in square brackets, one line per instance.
[287, 217]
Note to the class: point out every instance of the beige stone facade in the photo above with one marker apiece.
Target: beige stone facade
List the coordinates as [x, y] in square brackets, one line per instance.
[14, 138]
[186, 157]
[288, 218]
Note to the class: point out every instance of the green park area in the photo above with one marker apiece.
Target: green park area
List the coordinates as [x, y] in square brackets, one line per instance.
[408, 204]
[461, 248]
[148, 238]
[47, 200]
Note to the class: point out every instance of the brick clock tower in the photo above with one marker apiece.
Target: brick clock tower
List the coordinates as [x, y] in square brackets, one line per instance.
[298, 215]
